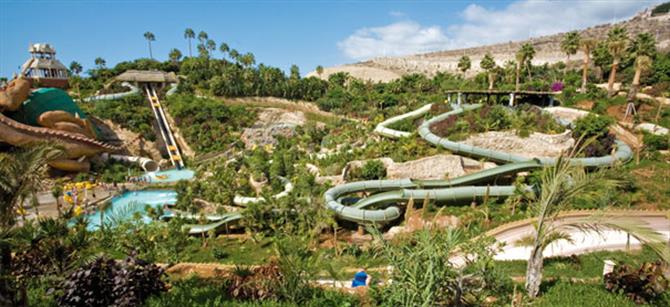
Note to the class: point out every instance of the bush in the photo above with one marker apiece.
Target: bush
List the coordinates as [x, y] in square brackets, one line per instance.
[373, 169]
[106, 282]
[656, 142]
[642, 285]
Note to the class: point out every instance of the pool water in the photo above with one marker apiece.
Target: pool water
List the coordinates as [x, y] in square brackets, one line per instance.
[172, 175]
[125, 206]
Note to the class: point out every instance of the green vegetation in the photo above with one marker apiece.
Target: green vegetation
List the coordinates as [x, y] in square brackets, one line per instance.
[524, 120]
[130, 112]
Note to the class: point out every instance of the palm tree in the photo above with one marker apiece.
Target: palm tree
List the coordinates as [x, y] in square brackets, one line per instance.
[617, 41]
[57, 192]
[587, 46]
[75, 67]
[248, 59]
[202, 51]
[210, 45]
[189, 35]
[234, 55]
[570, 44]
[100, 62]
[528, 52]
[175, 55]
[464, 64]
[319, 70]
[489, 64]
[560, 185]
[202, 37]
[150, 37]
[224, 48]
[642, 64]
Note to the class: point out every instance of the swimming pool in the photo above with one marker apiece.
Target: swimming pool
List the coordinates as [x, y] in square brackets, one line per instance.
[168, 176]
[124, 206]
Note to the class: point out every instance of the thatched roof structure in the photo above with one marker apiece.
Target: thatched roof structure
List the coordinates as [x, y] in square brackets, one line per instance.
[154, 76]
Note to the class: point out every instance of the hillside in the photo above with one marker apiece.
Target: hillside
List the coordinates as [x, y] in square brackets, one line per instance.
[547, 51]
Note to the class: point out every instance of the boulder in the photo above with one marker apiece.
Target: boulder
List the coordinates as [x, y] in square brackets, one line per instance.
[272, 122]
[534, 146]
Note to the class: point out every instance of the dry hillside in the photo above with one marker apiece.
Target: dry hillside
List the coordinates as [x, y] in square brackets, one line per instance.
[547, 51]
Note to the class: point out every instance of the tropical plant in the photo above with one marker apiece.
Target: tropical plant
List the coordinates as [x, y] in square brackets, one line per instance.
[524, 56]
[100, 63]
[189, 35]
[489, 64]
[570, 44]
[560, 185]
[464, 64]
[319, 70]
[175, 55]
[203, 37]
[75, 67]
[150, 37]
[107, 282]
[224, 48]
[587, 46]
[643, 285]
[617, 42]
[642, 64]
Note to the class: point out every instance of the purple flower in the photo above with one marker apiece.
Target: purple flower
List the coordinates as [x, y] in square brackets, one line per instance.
[557, 87]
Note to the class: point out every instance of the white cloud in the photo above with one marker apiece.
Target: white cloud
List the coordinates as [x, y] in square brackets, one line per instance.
[480, 25]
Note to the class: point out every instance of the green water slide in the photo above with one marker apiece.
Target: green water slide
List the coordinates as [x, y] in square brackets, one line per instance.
[226, 219]
[380, 207]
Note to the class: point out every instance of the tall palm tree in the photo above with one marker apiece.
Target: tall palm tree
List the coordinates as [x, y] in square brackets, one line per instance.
[224, 48]
[75, 67]
[528, 52]
[150, 37]
[203, 37]
[489, 64]
[570, 44]
[100, 62]
[617, 41]
[319, 70]
[642, 64]
[210, 45]
[234, 55]
[560, 185]
[189, 34]
[587, 46]
[464, 64]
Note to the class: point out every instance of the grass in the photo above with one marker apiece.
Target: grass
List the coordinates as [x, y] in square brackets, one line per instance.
[652, 181]
[587, 266]
[563, 293]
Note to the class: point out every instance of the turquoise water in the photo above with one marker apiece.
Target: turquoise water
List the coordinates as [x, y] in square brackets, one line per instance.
[124, 206]
[172, 175]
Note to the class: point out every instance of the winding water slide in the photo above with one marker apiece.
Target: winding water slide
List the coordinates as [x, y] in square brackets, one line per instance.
[380, 208]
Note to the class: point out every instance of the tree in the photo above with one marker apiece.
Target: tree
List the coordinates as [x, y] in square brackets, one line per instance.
[464, 64]
[570, 44]
[175, 55]
[295, 72]
[100, 62]
[202, 37]
[617, 41]
[234, 55]
[57, 192]
[150, 37]
[202, 51]
[642, 64]
[587, 46]
[189, 35]
[248, 59]
[561, 184]
[224, 48]
[210, 45]
[75, 67]
[528, 53]
[489, 64]
[22, 174]
[319, 70]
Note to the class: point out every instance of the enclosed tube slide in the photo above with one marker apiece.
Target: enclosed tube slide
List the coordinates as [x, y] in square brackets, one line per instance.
[146, 164]
[457, 189]
[133, 90]
[243, 200]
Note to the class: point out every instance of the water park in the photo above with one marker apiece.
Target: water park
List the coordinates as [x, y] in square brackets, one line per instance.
[506, 177]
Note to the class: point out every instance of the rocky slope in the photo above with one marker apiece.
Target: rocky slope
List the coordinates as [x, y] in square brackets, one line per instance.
[547, 51]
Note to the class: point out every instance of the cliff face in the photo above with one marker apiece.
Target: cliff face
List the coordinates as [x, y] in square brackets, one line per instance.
[547, 51]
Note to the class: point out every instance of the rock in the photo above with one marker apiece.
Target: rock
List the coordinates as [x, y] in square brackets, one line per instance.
[534, 146]
[435, 167]
[272, 122]
[416, 222]
[566, 114]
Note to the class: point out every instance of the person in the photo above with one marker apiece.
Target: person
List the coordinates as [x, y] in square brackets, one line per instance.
[361, 279]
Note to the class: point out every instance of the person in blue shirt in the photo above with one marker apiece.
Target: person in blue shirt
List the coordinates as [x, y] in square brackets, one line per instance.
[361, 279]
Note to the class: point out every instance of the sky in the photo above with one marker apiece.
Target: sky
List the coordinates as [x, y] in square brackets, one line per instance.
[282, 33]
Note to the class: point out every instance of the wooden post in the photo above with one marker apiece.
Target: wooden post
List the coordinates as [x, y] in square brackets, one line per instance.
[511, 99]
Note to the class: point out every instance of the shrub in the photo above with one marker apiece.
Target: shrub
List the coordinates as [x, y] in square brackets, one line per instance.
[642, 285]
[656, 142]
[106, 282]
[373, 169]
[592, 126]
